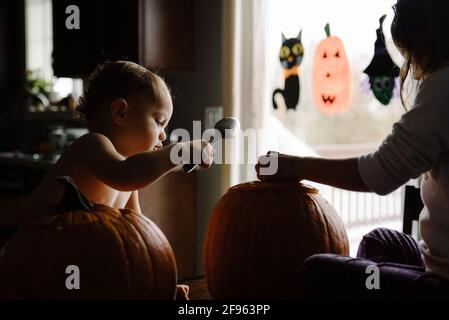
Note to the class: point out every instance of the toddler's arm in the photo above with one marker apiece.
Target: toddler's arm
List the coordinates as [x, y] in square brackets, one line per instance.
[97, 153]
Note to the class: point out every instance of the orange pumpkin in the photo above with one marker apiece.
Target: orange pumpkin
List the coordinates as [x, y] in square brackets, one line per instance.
[259, 235]
[119, 254]
[331, 76]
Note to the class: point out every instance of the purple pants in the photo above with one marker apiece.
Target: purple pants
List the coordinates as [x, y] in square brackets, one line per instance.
[400, 269]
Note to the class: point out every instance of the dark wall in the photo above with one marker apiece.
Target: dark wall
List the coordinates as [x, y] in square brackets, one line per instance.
[12, 67]
[195, 90]
[192, 91]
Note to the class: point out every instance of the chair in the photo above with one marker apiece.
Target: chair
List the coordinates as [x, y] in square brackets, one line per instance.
[412, 205]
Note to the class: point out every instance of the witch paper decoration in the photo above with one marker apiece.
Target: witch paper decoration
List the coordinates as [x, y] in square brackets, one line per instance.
[382, 71]
[331, 76]
[290, 56]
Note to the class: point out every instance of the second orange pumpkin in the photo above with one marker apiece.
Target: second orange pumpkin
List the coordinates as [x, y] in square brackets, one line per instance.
[259, 235]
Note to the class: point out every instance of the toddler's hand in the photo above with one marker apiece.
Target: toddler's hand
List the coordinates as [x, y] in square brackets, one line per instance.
[182, 292]
[276, 167]
[205, 150]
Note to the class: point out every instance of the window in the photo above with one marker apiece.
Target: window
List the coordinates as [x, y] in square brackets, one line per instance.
[355, 22]
[366, 123]
[39, 46]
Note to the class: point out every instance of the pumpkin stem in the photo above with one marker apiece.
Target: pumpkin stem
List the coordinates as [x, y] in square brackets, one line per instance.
[73, 199]
[327, 28]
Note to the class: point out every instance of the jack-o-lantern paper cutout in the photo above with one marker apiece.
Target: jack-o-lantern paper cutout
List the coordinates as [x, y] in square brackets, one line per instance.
[331, 76]
[382, 71]
[290, 56]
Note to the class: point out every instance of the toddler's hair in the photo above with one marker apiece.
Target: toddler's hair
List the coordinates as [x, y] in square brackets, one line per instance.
[118, 79]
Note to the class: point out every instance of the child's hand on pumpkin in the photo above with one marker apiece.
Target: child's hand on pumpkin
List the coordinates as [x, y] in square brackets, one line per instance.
[277, 167]
[182, 292]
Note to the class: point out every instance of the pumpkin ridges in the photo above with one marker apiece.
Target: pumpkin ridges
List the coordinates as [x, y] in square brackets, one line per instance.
[163, 258]
[340, 231]
[223, 222]
[300, 236]
[290, 220]
[168, 252]
[49, 250]
[210, 267]
[166, 255]
[236, 218]
[98, 212]
[218, 222]
[117, 229]
[146, 254]
[227, 246]
[227, 269]
[253, 258]
[110, 245]
[149, 260]
[324, 222]
[252, 246]
[306, 238]
[246, 261]
[330, 220]
[133, 246]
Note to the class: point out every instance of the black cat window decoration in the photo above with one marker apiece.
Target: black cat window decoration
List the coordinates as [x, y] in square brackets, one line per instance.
[382, 71]
[290, 56]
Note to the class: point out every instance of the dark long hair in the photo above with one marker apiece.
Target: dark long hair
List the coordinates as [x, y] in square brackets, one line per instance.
[420, 30]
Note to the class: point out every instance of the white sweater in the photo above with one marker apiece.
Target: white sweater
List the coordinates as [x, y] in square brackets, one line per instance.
[419, 144]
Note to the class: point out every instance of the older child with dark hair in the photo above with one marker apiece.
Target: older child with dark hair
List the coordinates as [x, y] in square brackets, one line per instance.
[417, 146]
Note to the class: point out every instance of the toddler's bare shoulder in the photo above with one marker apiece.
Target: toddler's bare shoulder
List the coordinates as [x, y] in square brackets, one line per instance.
[93, 148]
[91, 142]
[92, 138]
